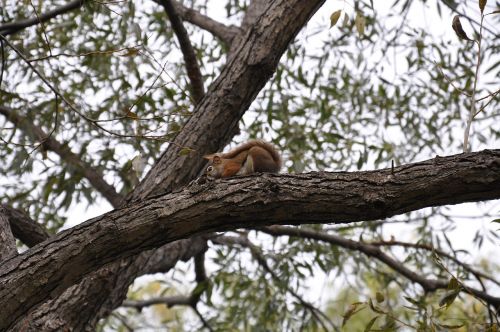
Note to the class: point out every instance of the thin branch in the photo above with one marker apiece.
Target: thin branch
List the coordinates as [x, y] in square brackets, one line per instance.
[429, 285]
[7, 241]
[493, 95]
[2, 54]
[49, 143]
[23, 227]
[169, 301]
[220, 30]
[203, 320]
[67, 102]
[13, 27]
[192, 68]
[261, 259]
[441, 253]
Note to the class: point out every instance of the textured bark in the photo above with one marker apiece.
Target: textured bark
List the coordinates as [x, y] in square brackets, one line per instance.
[24, 228]
[215, 120]
[7, 241]
[51, 267]
[81, 306]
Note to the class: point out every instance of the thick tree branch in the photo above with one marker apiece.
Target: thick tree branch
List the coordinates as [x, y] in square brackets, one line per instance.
[76, 308]
[192, 68]
[220, 30]
[255, 201]
[7, 241]
[63, 151]
[24, 228]
[13, 27]
[429, 285]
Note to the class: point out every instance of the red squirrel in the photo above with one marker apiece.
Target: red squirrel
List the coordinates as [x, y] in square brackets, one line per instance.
[251, 157]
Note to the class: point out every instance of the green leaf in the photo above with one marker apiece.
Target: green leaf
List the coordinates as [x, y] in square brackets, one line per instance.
[375, 308]
[453, 284]
[380, 297]
[360, 23]
[482, 4]
[185, 151]
[353, 308]
[334, 18]
[370, 324]
[448, 298]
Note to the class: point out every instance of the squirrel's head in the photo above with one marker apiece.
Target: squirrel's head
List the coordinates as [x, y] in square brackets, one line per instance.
[215, 168]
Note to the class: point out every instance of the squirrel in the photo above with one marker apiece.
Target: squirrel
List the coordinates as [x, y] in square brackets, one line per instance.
[251, 157]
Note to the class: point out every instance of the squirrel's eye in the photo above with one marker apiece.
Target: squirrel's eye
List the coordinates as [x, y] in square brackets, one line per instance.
[210, 168]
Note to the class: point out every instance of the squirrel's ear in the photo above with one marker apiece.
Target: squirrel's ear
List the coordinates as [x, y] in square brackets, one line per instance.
[216, 159]
[209, 156]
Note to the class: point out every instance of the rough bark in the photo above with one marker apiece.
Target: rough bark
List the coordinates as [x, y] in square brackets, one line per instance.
[24, 228]
[7, 241]
[81, 306]
[51, 267]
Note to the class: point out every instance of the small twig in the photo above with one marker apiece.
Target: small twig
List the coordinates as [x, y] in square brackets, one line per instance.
[487, 103]
[43, 28]
[465, 93]
[108, 52]
[2, 51]
[122, 320]
[203, 320]
[169, 301]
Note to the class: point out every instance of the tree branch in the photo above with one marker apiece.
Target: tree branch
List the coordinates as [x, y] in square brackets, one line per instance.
[254, 201]
[439, 252]
[192, 68]
[169, 301]
[13, 27]
[220, 30]
[429, 285]
[108, 284]
[261, 259]
[23, 227]
[7, 241]
[63, 151]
